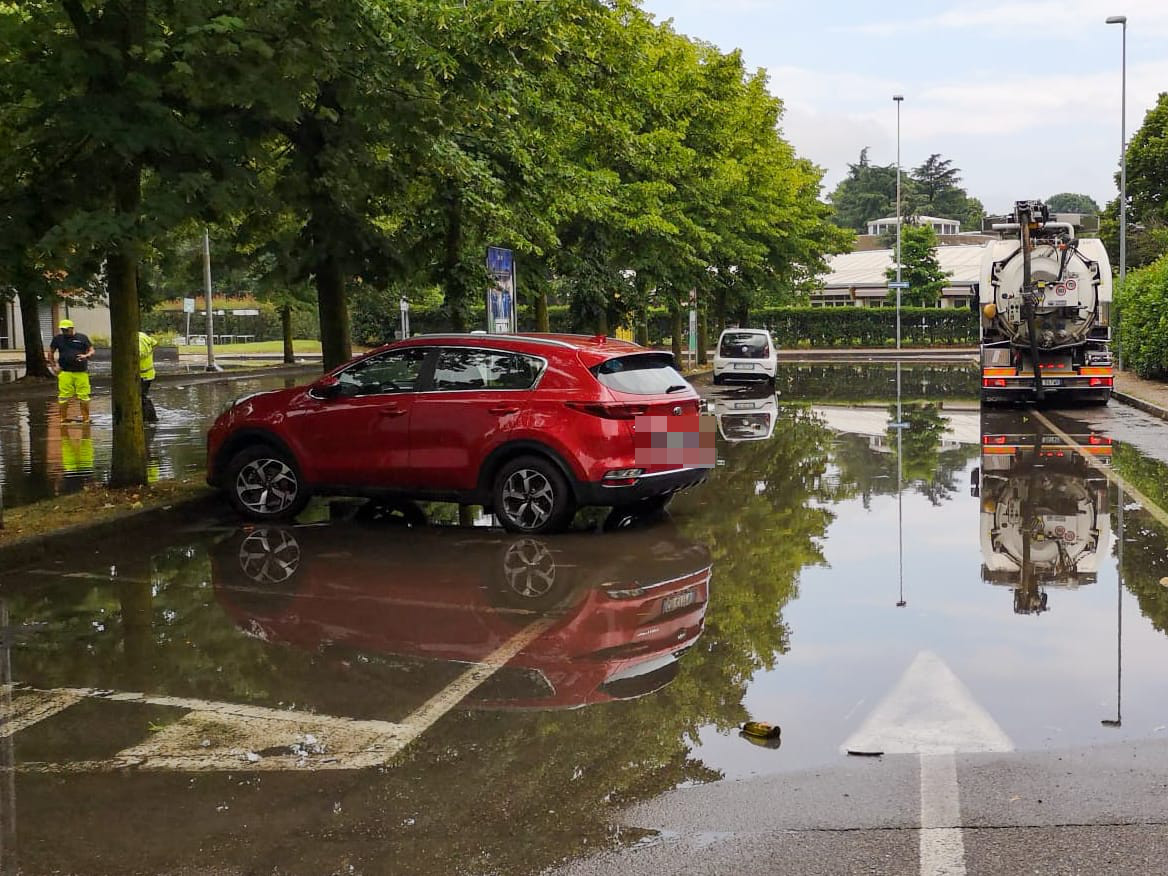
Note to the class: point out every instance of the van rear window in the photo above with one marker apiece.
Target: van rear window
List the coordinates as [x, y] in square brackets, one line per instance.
[744, 345]
[641, 374]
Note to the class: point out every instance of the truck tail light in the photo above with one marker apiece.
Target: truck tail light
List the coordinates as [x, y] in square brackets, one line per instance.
[1101, 381]
[993, 381]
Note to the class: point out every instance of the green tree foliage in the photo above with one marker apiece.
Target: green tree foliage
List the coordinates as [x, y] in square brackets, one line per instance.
[919, 267]
[1143, 330]
[1147, 193]
[935, 192]
[868, 192]
[1072, 202]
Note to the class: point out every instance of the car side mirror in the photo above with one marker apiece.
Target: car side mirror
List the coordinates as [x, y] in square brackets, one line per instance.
[327, 387]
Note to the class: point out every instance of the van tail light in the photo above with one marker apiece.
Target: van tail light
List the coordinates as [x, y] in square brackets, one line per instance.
[609, 410]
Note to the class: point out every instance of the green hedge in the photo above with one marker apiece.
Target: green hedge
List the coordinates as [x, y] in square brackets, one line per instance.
[1143, 323]
[791, 326]
[266, 327]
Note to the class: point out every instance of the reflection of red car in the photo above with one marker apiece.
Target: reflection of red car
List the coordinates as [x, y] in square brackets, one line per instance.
[621, 607]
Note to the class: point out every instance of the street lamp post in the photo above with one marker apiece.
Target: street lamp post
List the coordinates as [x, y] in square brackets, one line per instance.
[898, 98]
[1122, 21]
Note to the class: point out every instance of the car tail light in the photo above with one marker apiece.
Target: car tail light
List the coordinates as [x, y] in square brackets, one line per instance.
[609, 410]
[621, 477]
[1100, 381]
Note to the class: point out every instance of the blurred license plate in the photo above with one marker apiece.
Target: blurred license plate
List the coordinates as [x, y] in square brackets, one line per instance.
[743, 366]
[679, 600]
[1051, 381]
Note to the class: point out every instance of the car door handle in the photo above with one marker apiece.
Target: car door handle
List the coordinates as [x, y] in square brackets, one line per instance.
[504, 409]
[392, 412]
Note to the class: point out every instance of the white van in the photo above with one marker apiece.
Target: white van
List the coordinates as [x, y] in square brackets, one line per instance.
[745, 354]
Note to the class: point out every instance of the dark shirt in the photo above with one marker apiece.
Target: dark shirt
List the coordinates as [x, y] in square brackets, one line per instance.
[68, 348]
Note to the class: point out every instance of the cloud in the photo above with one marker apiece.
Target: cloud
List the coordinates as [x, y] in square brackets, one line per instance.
[1068, 18]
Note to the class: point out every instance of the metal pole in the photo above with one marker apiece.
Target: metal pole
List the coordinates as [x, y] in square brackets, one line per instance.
[899, 492]
[1122, 21]
[211, 366]
[898, 98]
[1118, 722]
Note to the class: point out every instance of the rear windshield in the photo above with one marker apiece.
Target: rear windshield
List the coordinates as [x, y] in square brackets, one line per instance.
[744, 345]
[641, 374]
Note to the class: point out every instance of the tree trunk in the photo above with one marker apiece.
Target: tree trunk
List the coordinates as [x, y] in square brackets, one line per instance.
[643, 326]
[128, 467]
[34, 349]
[719, 310]
[702, 335]
[543, 321]
[678, 330]
[286, 325]
[335, 344]
[453, 282]
[602, 319]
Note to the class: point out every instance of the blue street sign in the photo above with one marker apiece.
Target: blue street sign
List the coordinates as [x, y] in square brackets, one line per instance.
[498, 260]
[898, 285]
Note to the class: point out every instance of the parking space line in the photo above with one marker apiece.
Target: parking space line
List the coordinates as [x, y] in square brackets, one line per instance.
[186, 744]
[32, 706]
[1151, 507]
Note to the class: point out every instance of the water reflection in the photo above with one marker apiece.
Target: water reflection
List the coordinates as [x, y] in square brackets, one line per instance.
[42, 457]
[617, 622]
[746, 415]
[1044, 506]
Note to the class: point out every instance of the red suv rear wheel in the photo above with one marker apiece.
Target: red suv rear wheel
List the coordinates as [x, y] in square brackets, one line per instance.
[532, 496]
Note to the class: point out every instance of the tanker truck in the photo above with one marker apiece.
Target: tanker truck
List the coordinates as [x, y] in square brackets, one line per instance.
[1044, 298]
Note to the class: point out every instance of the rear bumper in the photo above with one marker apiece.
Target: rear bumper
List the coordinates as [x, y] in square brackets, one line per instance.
[647, 487]
[760, 369]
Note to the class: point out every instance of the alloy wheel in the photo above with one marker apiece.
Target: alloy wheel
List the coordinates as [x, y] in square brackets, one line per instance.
[528, 498]
[266, 486]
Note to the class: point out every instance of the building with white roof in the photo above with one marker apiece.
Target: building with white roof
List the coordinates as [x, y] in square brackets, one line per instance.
[858, 279]
[888, 224]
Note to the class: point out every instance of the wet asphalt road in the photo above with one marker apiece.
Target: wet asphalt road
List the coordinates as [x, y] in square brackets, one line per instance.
[356, 695]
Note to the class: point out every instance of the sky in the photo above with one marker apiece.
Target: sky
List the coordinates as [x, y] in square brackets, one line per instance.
[1023, 97]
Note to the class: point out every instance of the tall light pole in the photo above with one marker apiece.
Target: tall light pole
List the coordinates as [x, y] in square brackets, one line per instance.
[898, 98]
[1122, 20]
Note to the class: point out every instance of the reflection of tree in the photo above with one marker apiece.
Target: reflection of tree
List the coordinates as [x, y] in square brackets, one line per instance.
[858, 382]
[865, 471]
[1145, 548]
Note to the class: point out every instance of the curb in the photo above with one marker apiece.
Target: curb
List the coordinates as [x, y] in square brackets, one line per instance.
[1140, 404]
[72, 539]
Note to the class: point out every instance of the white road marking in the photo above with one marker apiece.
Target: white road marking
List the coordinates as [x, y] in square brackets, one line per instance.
[932, 714]
[1115, 477]
[219, 736]
[30, 707]
[942, 851]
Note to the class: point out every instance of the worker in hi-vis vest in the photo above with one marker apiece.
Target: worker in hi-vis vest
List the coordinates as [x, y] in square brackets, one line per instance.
[146, 374]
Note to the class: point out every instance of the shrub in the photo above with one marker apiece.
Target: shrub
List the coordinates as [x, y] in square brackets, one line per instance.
[1143, 325]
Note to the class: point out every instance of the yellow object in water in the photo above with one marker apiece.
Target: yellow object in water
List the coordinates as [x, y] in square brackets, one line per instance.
[990, 310]
[761, 730]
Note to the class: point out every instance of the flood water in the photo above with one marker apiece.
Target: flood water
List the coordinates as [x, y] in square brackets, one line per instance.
[354, 694]
[41, 457]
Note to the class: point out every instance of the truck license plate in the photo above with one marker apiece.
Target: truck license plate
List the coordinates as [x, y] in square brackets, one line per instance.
[1051, 381]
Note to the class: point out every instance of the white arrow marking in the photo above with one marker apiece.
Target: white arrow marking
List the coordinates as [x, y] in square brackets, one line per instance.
[931, 713]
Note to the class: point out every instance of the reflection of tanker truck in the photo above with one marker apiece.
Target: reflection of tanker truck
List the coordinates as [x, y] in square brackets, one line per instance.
[1045, 300]
[1044, 508]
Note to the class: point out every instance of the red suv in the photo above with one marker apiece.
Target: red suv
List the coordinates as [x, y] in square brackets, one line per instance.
[528, 426]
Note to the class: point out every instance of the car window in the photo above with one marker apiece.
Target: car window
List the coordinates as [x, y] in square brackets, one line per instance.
[392, 371]
[744, 345]
[460, 369]
[641, 374]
